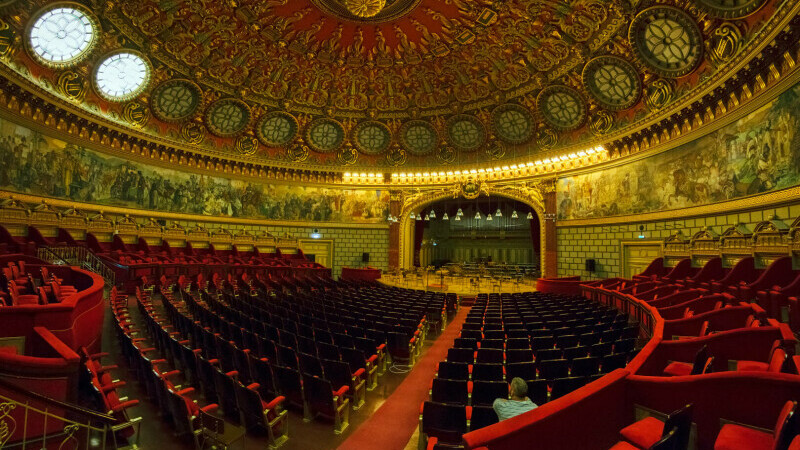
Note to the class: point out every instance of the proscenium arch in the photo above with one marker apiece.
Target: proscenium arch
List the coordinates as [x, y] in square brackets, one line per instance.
[530, 197]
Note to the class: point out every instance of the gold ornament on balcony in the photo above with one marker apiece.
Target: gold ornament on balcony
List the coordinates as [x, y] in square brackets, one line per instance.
[365, 8]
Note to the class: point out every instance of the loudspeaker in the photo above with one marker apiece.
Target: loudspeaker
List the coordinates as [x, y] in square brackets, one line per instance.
[589, 263]
[365, 257]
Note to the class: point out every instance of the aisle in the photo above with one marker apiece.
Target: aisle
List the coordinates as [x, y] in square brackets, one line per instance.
[395, 421]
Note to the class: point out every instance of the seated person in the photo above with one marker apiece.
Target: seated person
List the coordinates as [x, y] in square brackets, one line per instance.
[518, 404]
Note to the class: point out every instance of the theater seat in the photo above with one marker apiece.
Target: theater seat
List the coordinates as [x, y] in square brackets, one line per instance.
[738, 437]
[668, 442]
[700, 365]
[648, 431]
[776, 356]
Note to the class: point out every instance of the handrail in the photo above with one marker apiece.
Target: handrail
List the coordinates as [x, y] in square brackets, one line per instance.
[79, 410]
[45, 254]
[83, 257]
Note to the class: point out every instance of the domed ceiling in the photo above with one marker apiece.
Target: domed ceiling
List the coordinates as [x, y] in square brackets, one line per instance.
[380, 83]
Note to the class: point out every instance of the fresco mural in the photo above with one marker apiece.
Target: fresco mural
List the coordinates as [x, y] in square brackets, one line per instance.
[758, 153]
[33, 163]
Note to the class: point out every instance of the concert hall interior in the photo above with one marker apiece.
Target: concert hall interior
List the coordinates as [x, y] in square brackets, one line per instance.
[400, 224]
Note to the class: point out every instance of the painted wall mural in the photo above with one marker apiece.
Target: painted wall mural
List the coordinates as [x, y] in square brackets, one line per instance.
[33, 163]
[758, 153]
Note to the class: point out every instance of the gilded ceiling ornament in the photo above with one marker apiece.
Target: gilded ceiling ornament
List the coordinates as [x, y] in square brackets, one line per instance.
[585, 20]
[193, 132]
[600, 122]
[373, 11]
[8, 40]
[612, 81]
[730, 9]
[277, 128]
[371, 137]
[418, 137]
[659, 94]
[246, 145]
[562, 107]
[512, 123]
[227, 117]
[466, 132]
[347, 155]
[298, 153]
[136, 113]
[72, 85]
[496, 149]
[725, 42]
[547, 138]
[365, 8]
[175, 100]
[446, 154]
[325, 135]
[470, 189]
[396, 156]
[667, 40]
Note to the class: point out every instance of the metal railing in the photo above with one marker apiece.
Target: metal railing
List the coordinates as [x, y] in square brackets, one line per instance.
[53, 424]
[78, 256]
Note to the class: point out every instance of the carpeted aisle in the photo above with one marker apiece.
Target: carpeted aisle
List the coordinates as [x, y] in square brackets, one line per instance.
[394, 422]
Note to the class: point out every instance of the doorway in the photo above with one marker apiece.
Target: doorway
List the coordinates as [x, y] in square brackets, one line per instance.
[637, 255]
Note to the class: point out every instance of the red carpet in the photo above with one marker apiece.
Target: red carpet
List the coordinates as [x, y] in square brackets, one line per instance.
[394, 422]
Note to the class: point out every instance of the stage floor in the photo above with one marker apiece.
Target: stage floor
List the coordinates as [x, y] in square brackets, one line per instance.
[458, 285]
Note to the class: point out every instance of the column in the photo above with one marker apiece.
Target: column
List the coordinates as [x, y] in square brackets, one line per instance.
[395, 209]
[550, 249]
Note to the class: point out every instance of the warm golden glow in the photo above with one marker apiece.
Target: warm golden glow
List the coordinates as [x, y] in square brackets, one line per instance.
[365, 8]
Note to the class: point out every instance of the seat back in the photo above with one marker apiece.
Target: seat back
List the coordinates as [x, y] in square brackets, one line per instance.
[524, 370]
[319, 395]
[484, 393]
[490, 356]
[449, 391]
[461, 355]
[453, 370]
[482, 416]
[681, 422]
[487, 372]
[786, 427]
[446, 422]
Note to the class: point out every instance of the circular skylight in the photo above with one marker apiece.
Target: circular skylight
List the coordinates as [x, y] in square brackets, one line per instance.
[122, 76]
[62, 36]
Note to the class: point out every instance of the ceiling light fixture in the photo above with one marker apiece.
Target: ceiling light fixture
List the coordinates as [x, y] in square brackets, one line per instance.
[514, 214]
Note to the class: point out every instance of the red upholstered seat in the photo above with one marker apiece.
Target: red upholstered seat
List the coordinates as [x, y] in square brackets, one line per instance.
[649, 431]
[643, 433]
[735, 437]
[738, 437]
[678, 369]
[622, 445]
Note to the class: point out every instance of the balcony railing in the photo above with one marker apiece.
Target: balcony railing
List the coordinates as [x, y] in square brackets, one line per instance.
[78, 256]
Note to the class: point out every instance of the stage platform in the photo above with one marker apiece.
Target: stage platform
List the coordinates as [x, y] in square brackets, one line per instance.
[460, 286]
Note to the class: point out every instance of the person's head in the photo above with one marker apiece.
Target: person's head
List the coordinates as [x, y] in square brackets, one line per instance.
[518, 388]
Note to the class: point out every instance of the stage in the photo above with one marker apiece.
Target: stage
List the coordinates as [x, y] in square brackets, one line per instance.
[458, 285]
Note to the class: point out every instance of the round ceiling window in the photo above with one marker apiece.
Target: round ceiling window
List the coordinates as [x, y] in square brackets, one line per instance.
[122, 76]
[62, 35]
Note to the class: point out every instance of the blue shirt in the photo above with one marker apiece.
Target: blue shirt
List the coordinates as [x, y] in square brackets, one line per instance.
[507, 409]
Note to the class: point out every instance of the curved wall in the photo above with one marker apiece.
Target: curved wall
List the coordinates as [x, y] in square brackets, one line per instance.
[741, 173]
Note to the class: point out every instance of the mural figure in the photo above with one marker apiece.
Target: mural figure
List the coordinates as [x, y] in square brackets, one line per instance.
[758, 153]
[40, 165]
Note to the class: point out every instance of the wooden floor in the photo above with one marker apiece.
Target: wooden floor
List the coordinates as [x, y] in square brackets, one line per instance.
[157, 433]
[458, 285]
